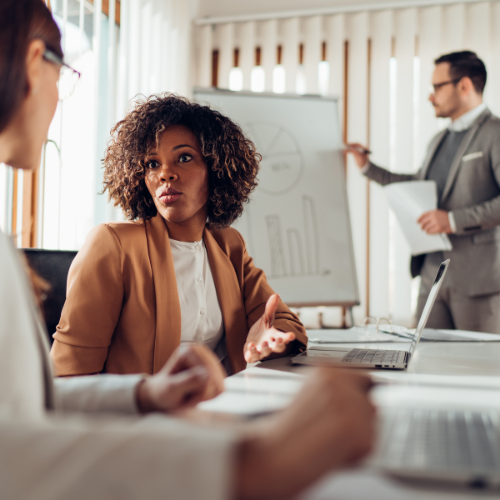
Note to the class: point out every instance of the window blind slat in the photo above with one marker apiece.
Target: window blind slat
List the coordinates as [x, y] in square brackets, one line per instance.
[269, 45]
[381, 47]
[357, 128]
[406, 25]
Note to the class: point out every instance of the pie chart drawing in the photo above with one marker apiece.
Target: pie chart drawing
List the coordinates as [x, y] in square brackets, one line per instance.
[282, 164]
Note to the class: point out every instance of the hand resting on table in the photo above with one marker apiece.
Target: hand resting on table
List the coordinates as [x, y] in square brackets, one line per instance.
[191, 375]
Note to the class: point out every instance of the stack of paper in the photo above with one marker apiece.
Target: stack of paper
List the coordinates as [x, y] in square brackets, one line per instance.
[409, 200]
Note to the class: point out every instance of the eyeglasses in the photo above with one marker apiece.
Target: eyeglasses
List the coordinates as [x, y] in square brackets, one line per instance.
[436, 86]
[68, 77]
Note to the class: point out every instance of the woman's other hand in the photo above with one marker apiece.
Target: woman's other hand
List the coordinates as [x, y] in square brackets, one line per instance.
[191, 375]
[329, 426]
[263, 339]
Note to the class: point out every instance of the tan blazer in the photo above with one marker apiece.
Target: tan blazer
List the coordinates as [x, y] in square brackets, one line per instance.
[122, 311]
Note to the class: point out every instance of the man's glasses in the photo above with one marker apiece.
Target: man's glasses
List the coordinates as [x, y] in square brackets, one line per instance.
[436, 86]
[68, 77]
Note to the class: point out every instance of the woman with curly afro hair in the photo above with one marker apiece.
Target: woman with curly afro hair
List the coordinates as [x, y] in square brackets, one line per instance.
[175, 272]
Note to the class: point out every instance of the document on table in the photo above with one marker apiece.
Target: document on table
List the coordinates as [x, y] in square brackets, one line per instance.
[409, 200]
[326, 339]
[255, 391]
[321, 338]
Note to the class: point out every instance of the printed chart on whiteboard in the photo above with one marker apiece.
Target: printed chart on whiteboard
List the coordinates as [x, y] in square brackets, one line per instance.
[296, 226]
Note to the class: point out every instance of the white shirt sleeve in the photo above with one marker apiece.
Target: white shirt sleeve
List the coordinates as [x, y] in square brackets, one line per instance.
[79, 458]
[97, 393]
[451, 219]
[365, 168]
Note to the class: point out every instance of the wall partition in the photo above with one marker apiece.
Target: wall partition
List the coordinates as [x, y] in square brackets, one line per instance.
[379, 63]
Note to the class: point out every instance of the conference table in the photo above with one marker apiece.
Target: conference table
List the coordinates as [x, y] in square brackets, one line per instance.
[441, 374]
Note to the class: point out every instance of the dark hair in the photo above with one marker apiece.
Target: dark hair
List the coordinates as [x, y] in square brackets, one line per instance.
[230, 157]
[466, 63]
[21, 22]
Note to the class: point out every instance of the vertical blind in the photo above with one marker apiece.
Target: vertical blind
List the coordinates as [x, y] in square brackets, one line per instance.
[379, 64]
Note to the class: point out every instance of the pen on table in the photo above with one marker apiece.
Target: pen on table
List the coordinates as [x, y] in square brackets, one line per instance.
[359, 149]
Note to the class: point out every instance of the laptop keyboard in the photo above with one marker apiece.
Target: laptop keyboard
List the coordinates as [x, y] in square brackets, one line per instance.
[443, 440]
[374, 356]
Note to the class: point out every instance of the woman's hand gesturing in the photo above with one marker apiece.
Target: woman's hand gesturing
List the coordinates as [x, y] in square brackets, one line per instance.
[263, 339]
[191, 375]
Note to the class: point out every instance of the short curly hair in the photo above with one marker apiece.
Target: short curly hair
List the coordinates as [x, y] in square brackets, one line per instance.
[231, 158]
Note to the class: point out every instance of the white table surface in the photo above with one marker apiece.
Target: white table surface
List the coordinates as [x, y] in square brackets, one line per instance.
[443, 375]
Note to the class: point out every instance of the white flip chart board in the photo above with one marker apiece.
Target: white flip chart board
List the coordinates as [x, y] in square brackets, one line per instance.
[297, 225]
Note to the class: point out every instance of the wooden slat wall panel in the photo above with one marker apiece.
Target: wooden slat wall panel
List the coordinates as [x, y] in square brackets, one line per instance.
[204, 55]
[225, 47]
[406, 26]
[291, 31]
[269, 45]
[335, 43]
[453, 27]
[429, 48]
[246, 32]
[493, 84]
[357, 131]
[382, 25]
[478, 37]
[313, 38]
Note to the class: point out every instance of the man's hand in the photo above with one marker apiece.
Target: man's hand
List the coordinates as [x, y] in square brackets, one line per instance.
[191, 375]
[359, 153]
[263, 339]
[330, 425]
[435, 222]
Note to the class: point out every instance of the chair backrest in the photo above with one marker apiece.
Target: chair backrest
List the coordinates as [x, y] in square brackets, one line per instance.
[52, 266]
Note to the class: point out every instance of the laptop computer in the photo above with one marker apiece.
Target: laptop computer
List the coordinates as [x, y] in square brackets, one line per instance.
[376, 358]
[452, 445]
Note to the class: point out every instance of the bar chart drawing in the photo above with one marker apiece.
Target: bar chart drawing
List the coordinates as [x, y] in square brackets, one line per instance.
[312, 235]
[297, 264]
[278, 268]
[300, 263]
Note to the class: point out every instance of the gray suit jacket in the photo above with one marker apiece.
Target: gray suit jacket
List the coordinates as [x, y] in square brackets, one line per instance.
[472, 193]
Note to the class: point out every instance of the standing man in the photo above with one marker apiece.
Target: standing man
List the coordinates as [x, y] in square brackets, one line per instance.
[464, 161]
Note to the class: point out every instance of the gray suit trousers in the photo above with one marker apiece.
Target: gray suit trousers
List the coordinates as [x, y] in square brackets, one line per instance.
[454, 309]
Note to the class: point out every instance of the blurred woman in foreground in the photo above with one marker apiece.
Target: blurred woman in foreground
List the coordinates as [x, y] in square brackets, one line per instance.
[48, 454]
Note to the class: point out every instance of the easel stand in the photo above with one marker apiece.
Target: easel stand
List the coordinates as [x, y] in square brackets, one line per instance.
[347, 310]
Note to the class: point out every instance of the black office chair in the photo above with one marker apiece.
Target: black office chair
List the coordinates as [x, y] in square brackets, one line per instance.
[52, 266]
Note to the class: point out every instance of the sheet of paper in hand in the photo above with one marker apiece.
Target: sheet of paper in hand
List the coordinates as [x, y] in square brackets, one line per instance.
[409, 200]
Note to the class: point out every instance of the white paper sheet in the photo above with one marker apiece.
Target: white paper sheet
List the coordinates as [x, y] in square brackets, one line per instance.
[255, 391]
[321, 339]
[409, 200]
[357, 334]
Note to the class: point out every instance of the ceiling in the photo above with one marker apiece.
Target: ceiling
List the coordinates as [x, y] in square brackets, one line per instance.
[240, 7]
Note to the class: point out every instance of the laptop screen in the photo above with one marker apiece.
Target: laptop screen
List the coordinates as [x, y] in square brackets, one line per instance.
[428, 305]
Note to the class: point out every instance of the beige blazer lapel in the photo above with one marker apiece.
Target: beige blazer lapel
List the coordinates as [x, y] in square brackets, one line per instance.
[455, 166]
[432, 152]
[230, 298]
[168, 309]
